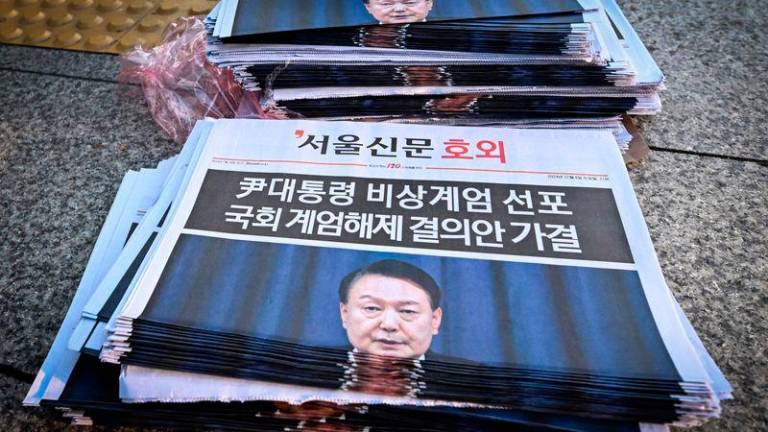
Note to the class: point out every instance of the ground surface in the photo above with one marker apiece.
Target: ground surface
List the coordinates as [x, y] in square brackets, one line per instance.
[66, 140]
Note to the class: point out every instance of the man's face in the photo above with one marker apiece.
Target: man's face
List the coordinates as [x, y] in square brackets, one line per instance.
[389, 317]
[399, 11]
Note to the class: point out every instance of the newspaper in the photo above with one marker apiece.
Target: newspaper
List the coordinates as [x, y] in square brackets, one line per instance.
[559, 199]
[137, 193]
[250, 17]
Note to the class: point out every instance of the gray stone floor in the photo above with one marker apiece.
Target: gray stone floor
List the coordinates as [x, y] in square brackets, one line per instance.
[66, 139]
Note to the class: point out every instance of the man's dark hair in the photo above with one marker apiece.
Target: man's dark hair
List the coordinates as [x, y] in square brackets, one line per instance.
[395, 269]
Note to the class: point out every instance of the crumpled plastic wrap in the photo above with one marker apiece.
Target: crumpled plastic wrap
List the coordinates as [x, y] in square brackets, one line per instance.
[181, 87]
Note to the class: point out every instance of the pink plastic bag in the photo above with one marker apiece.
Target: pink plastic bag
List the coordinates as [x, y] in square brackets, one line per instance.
[181, 86]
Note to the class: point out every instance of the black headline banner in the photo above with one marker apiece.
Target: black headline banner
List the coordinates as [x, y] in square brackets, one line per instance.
[511, 219]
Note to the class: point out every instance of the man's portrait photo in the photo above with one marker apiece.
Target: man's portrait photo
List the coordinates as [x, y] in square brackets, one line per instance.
[389, 323]
[390, 308]
[399, 11]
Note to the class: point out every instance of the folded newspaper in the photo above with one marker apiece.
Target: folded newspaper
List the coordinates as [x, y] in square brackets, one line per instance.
[343, 274]
[566, 61]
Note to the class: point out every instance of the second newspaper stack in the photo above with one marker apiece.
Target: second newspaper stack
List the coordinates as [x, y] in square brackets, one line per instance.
[529, 63]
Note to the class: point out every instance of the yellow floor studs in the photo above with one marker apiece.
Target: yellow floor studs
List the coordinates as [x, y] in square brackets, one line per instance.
[108, 26]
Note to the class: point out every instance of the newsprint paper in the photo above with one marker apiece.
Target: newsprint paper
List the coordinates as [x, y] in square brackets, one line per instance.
[487, 257]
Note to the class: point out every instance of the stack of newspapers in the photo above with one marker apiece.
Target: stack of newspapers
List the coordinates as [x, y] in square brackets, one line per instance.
[515, 62]
[339, 276]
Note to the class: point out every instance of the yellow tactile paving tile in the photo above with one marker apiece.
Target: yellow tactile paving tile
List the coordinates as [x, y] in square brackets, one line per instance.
[110, 26]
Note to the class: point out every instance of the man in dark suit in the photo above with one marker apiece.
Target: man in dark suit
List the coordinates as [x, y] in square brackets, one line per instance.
[398, 11]
[391, 311]
[390, 308]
